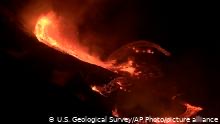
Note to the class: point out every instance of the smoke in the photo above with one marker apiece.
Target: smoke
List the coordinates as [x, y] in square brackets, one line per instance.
[31, 11]
[100, 26]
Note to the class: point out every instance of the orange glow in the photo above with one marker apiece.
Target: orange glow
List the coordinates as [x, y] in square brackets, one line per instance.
[150, 51]
[191, 110]
[97, 89]
[47, 32]
[41, 31]
[127, 68]
[115, 112]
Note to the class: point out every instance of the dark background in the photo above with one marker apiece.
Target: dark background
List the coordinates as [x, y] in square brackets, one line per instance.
[32, 74]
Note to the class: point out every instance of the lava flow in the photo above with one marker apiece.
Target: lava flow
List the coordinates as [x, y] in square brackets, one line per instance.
[47, 32]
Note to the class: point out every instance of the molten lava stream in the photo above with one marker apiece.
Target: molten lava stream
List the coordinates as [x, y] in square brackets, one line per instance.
[47, 32]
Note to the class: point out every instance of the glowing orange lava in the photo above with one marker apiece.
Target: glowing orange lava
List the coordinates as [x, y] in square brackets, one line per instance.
[47, 32]
[190, 110]
[42, 32]
[115, 112]
[97, 89]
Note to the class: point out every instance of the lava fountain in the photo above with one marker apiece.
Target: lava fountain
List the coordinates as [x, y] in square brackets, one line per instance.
[47, 32]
